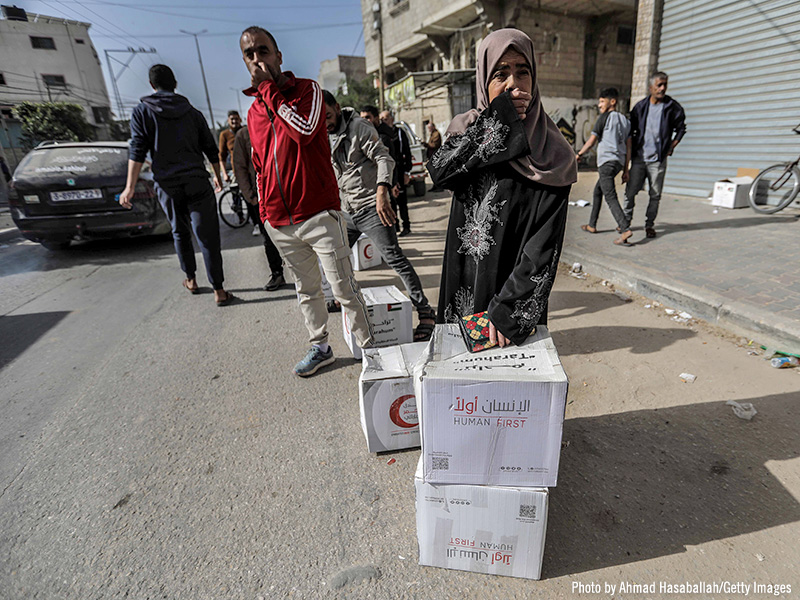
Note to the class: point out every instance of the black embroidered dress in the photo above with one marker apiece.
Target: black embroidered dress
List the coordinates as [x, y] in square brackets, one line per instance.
[505, 231]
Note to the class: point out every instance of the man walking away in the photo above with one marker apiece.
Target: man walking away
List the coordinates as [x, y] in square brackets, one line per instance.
[612, 129]
[246, 177]
[298, 195]
[363, 169]
[658, 124]
[176, 136]
[403, 163]
[371, 114]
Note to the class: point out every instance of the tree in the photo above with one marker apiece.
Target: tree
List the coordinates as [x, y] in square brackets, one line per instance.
[52, 121]
[359, 93]
[120, 131]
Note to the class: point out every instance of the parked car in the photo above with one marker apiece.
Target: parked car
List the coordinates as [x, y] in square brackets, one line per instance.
[417, 166]
[69, 190]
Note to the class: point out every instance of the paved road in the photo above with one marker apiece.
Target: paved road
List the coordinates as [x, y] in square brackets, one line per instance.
[153, 445]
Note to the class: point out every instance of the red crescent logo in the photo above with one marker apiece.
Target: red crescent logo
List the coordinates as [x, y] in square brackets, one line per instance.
[394, 412]
[368, 251]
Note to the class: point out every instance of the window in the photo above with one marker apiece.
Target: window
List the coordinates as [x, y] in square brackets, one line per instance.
[2, 79]
[54, 81]
[79, 41]
[102, 114]
[43, 43]
[626, 36]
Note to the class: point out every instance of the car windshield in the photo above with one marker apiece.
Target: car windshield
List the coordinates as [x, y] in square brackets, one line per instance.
[91, 161]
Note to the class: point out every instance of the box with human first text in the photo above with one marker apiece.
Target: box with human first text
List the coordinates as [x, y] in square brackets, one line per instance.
[493, 417]
[389, 311]
[484, 529]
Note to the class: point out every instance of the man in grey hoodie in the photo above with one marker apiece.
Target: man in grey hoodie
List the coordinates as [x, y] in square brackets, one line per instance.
[364, 170]
[176, 135]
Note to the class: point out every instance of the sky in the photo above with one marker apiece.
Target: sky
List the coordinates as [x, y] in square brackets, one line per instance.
[307, 32]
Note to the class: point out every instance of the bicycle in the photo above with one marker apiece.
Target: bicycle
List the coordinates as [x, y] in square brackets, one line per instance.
[775, 187]
[232, 209]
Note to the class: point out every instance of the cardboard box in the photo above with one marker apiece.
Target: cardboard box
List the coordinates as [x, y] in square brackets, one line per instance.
[732, 192]
[493, 417]
[365, 254]
[326, 286]
[389, 311]
[386, 397]
[483, 529]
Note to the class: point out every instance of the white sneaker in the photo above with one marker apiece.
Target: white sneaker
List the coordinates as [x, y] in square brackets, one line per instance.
[256, 230]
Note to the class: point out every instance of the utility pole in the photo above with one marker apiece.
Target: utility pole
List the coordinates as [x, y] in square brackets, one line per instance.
[115, 77]
[377, 25]
[238, 99]
[203, 73]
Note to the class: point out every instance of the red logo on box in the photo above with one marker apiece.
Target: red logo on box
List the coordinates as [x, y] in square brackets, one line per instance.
[403, 412]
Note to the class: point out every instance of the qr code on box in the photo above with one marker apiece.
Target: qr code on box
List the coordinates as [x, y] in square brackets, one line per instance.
[440, 463]
[527, 511]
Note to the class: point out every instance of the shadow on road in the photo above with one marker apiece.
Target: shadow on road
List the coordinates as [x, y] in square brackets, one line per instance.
[18, 332]
[644, 484]
[640, 340]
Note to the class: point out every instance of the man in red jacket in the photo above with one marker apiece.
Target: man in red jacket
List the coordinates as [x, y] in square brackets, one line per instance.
[298, 193]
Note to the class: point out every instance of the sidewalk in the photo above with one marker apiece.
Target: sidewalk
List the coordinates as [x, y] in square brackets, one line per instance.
[734, 268]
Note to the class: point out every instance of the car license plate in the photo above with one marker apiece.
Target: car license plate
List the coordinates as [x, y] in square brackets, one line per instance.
[68, 195]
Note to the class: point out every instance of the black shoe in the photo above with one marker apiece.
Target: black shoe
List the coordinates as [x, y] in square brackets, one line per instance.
[404, 233]
[275, 282]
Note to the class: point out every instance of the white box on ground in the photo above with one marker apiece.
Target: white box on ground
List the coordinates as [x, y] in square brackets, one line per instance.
[483, 529]
[732, 192]
[365, 254]
[493, 417]
[389, 311]
[386, 397]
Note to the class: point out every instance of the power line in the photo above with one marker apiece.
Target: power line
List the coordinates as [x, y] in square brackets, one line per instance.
[274, 30]
[216, 6]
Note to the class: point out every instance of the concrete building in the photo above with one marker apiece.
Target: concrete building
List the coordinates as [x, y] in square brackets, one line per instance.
[430, 49]
[335, 73]
[48, 59]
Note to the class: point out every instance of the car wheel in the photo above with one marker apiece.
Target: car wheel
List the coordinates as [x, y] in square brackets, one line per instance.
[419, 187]
[55, 245]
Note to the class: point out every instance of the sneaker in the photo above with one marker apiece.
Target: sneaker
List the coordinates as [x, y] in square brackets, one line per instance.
[275, 282]
[256, 231]
[313, 361]
[405, 232]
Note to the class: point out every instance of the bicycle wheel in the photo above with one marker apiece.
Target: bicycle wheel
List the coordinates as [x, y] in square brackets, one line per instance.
[774, 188]
[232, 209]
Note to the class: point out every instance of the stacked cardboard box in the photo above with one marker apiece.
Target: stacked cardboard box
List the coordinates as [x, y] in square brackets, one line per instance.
[491, 425]
[389, 311]
[386, 397]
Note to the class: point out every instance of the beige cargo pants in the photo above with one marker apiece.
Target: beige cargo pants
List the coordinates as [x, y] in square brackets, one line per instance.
[324, 236]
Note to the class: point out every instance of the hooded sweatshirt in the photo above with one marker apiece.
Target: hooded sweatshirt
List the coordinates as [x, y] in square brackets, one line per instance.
[176, 135]
[360, 161]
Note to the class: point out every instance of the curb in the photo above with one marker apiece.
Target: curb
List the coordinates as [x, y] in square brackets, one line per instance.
[738, 317]
[10, 234]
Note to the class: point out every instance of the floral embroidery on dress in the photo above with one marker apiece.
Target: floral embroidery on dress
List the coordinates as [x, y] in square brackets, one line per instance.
[481, 214]
[527, 312]
[462, 304]
[483, 139]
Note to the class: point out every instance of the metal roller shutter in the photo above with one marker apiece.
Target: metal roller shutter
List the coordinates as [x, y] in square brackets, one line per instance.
[735, 68]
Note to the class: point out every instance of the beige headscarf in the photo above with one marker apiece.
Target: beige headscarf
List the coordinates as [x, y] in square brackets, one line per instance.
[551, 160]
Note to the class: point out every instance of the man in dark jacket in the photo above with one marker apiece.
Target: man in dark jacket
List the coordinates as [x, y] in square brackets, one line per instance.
[403, 160]
[246, 178]
[176, 136]
[658, 124]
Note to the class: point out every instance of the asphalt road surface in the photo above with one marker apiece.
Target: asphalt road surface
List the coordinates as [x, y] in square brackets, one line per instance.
[153, 445]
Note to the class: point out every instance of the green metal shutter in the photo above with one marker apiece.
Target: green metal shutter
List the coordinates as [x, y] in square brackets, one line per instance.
[734, 66]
